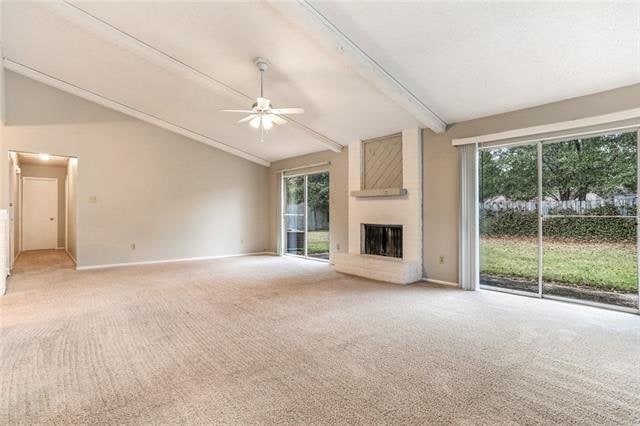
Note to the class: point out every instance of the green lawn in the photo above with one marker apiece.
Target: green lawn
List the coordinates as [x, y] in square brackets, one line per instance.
[318, 242]
[602, 265]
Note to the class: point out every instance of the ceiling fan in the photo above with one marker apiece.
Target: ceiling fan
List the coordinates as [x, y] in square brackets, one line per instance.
[262, 115]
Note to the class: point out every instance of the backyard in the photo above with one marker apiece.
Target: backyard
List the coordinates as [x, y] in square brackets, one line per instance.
[602, 265]
[581, 196]
[318, 242]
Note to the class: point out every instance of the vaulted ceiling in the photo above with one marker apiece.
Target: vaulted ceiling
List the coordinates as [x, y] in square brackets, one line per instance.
[359, 70]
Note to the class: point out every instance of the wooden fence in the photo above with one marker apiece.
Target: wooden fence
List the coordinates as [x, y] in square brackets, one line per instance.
[623, 204]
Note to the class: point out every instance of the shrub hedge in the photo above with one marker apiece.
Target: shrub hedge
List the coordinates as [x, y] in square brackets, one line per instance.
[520, 223]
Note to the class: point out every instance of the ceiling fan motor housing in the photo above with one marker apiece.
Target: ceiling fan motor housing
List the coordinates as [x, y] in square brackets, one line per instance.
[262, 104]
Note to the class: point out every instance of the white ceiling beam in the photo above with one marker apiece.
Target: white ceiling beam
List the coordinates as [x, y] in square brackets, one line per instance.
[103, 29]
[127, 110]
[306, 16]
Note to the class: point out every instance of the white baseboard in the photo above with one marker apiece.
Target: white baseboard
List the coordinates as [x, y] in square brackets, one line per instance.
[154, 262]
[72, 258]
[447, 283]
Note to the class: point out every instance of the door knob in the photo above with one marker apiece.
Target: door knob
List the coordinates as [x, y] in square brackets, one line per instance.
[50, 218]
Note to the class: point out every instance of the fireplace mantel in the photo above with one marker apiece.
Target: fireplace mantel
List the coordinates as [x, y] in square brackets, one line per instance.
[387, 192]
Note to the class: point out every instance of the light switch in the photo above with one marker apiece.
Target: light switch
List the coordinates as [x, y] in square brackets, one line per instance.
[93, 198]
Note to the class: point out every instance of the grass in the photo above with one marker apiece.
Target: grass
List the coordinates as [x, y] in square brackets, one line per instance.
[610, 266]
[318, 242]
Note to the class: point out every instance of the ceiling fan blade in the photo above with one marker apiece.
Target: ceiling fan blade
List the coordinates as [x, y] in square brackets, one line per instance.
[247, 118]
[287, 111]
[277, 119]
[246, 111]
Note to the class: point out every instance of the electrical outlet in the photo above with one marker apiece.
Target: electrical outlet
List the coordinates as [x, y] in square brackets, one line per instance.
[93, 198]
[133, 246]
[441, 259]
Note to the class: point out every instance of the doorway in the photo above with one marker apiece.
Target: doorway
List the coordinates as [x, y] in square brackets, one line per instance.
[558, 219]
[42, 228]
[305, 215]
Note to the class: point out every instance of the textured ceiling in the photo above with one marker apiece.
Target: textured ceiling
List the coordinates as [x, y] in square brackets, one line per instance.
[461, 60]
[470, 60]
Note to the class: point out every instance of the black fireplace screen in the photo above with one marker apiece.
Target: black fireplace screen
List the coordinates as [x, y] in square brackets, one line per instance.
[382, 240]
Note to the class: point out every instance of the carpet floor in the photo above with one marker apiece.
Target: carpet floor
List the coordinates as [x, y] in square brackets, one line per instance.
[283, 340]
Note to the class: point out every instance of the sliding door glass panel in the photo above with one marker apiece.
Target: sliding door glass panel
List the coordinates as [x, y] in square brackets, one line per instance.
[318, 216]
[508, 188]
[294, 215]
[589, 219]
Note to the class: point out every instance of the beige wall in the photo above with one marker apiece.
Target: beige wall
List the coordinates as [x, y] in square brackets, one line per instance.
[72, 207]
[4, 181]
[441, 166]
[59, 173]
[170, 196]
[176, 198]
[338, 195]
[4, 172]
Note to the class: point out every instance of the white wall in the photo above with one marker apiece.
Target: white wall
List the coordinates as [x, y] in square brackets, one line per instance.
[170, 196]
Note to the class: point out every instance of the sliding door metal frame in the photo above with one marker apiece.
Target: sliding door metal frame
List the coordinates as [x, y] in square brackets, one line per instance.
[510, 291]
[306, 215]
[539, 143]
[638, 214]
[283, 223]
[540, 217]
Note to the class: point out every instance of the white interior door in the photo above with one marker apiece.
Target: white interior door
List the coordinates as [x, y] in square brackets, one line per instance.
[40, 213]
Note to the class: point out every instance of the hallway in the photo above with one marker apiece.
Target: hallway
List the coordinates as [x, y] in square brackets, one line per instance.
[38, 268]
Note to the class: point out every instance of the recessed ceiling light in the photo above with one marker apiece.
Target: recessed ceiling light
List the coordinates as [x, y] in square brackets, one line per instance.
[44, 157]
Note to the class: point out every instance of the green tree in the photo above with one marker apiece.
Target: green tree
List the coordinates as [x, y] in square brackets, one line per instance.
[317, 193]
[604, 165]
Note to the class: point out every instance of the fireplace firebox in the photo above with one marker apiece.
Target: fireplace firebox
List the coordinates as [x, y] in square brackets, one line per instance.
[381, 240]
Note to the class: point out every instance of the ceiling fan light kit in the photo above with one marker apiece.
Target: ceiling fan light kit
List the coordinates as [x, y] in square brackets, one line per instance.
[262, 115]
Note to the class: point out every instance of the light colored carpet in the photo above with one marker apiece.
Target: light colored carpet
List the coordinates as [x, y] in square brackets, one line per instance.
[282, 340]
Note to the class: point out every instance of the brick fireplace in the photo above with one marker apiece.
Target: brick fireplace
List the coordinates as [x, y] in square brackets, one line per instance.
[385, 223]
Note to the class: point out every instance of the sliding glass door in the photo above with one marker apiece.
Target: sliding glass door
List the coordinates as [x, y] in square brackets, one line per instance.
[559, 219]
[306, 215]
[589, 219]
[508, 218]
[295, 217]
